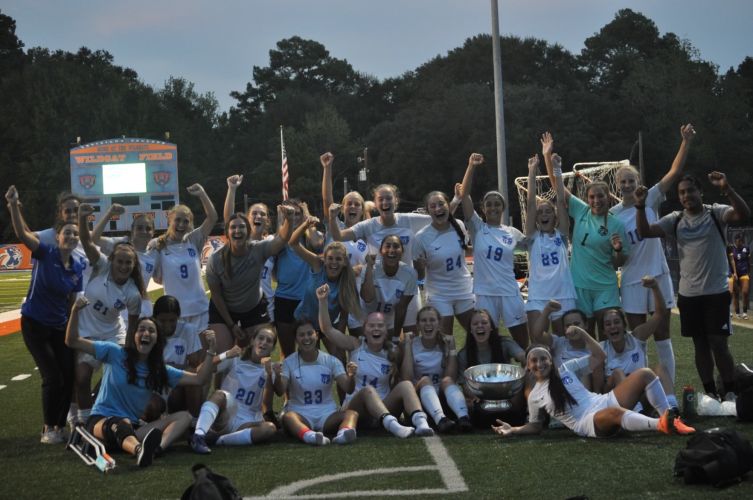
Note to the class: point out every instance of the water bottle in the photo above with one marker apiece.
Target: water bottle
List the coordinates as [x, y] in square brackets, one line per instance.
[688, 402]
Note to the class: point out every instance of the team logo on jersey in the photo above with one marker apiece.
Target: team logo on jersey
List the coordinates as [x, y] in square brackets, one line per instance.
[119, 305]
[87, 181]
[361, 245]
[161, 178]
[506, 240]
[558, 241]
[567, 380]
[385, 369]
[404, 240]
[149, 267]
[635, 356]
[10, 257]
[325, 378]
[603, 231]
[262, 381]
[191, 252]
[179, 350]
[399, 293]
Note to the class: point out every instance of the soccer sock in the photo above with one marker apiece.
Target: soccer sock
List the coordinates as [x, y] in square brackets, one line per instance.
[83, 414]
[430, 400]
[672, 400]
[456, 400]
[666, 357]
[207, 416]
[345, 435]
[632, 421]
[237, 438]
[655, 395]
[390, 423]
[419, 421]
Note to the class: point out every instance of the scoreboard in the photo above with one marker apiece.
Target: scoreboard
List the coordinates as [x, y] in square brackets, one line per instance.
[140, 174]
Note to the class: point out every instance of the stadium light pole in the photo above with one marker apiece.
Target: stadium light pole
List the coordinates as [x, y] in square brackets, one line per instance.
[500, 112]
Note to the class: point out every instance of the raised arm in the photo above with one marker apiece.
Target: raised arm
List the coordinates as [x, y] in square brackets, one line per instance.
[232, 186]
[474, 161]
[282, 237]
[72, 339]
[547, 151]
[211, 214]
[740, 211]
[598, 356]
[644, 229]
[206, 368]
[563, 219]
[342, 341]
[533, 169]
[540, 328]
[27, 237]
[406, 363]
[327, 159]
[280, 384]
[647, 329]
[688, 133]
[295, 243]
[314, 236]
[338, 234]
[99, 227]
[92, 253]
[451, 368]
[347, 381]
[368, 290]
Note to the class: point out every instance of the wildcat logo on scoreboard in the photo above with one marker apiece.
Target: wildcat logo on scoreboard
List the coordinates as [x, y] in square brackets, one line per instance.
[161, 178]
[87, 181]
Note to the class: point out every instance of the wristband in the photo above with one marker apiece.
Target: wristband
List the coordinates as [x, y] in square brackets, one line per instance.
[223, 356]
[455, 200]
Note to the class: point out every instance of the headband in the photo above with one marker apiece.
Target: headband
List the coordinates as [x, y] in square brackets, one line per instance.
[542, 349]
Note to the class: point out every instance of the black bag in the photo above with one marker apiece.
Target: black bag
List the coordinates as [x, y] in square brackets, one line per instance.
[743, 377]
[715, 456]
[744, 405]
[209, 486]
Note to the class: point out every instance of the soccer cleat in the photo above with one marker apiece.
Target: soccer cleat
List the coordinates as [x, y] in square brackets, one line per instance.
[52, 436]
[445, 426]
[671, 423]
[464, 424]
[145, 450]
[199, 444]
[744, 316]
[681, 427]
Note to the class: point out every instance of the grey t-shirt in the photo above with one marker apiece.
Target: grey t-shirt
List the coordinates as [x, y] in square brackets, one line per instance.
[510, 350]
[703, 255]
[242, 292]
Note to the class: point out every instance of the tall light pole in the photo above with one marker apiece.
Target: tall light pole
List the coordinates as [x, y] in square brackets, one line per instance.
[500, 113]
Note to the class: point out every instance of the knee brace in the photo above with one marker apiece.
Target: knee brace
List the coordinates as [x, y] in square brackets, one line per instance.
[117, 429]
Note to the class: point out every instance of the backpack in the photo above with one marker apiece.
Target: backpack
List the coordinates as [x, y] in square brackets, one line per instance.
[209, 486]
[716, 456]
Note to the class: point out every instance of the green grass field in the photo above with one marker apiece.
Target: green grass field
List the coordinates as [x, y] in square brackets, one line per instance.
[556, 464]
[13, 288]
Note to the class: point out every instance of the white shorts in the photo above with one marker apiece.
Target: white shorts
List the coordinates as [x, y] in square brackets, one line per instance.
[200, 321]
[538, 305]
[451, 307]
[585, 426]
[637, 299]
[412, 312]
[234, 421]
[511, 309]
[314, 416]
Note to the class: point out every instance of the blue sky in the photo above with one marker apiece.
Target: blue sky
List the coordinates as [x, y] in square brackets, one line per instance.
[216, 43]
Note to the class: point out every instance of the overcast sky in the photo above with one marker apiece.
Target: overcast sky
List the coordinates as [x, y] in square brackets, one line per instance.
[215, 43]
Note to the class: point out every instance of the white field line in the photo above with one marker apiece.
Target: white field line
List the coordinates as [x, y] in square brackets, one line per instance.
[23, 376]
[3, 387]
[443, 464]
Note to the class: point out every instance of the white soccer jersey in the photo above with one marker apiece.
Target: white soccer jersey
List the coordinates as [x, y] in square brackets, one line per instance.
[244, 381]
[563, 351]
[373, 370]
[49, 238]
[646, 255]
[630, 359]
[548, 267]
[406, 226]
[266, 275]
[493, 258]
[310, 383]
[446, 273]
[146, 259]
[102, 320]
[427, 362]
[539, 397]
[179, 265]
[181, 344]
[390, 289]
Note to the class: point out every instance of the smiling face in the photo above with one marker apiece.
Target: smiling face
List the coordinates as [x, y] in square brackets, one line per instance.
[539, 363]
[124, 260]
[306, 337]
[691, 198]
[237, 231]
[258, 215]
[598, 200]
[352, 208]
[627, 180]
[391, 250]
[335, 260]
[386, 200]
[181, 222]
[546, 217]
[428, 324]
[263, 343]
[146, 336]
[69, 211]
[142, 229]
[375, 331]
[481, 327]
[614, 327]
[493, 207]
[67, 237]
[439, 209]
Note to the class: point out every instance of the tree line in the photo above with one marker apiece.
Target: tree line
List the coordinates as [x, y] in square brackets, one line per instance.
[419, 127]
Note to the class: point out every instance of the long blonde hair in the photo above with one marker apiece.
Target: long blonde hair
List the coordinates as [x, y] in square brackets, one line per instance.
[170, 233]
[347, 295]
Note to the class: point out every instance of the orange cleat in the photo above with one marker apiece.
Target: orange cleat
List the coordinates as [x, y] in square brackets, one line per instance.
[671, 423]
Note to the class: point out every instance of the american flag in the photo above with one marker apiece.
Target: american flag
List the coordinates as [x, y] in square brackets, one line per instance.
[284, 167]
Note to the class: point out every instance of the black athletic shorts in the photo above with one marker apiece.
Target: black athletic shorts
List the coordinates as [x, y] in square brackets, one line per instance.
[284, 309]
[704, 315]
[255, 316]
